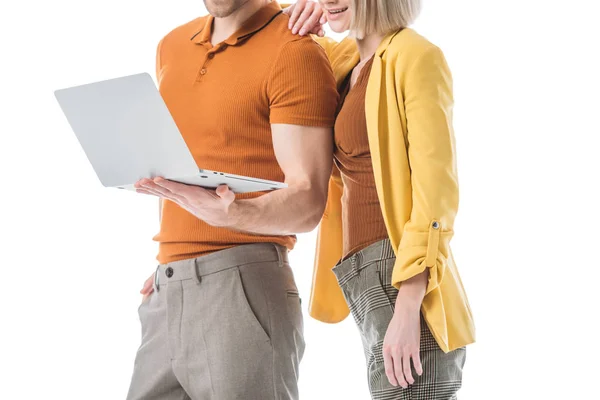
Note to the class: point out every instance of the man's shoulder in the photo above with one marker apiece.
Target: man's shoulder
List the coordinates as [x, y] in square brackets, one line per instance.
[279, 34]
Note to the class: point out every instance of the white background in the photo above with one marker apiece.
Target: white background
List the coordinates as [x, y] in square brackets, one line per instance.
[74, 255]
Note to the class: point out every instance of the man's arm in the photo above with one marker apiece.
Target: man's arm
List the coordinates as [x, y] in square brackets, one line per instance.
[305, 156]
[303, 99]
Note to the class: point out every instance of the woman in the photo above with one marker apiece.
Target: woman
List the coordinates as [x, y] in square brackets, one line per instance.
[393, 197]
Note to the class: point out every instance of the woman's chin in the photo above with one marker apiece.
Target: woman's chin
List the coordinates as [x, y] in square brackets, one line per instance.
[338, 27]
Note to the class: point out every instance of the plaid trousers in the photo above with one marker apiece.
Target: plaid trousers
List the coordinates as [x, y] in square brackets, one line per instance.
[365, 279]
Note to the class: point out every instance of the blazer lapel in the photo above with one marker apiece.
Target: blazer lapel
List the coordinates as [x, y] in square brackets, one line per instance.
[377, 119]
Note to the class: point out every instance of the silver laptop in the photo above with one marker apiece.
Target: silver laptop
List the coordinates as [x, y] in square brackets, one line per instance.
[127, 133]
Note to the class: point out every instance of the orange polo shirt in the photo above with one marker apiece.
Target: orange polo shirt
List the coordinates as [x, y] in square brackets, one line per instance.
[224, 99]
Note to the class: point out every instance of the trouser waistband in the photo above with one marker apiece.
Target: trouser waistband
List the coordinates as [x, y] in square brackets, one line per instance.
[195, 268]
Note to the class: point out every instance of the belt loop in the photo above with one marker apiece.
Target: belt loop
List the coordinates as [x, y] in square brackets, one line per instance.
[197, 271]
[156, 283]
[279, 257]
[355, 263]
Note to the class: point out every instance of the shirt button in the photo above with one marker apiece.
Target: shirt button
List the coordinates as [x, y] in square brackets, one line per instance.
[169, 272]
[203, 71]
[435, 225]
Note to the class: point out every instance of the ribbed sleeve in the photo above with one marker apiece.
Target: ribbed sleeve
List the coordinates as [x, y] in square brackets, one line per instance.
[301, 86]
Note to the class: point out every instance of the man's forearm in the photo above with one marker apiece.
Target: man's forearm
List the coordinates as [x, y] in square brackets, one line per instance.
[295, 209]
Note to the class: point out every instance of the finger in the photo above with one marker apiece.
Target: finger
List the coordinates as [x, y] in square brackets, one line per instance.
[406, 369]
[416, 358]
[148, 192]
[187, 191]
[157, 189]
[298, 8]
[145, 296]
[175, 187]
[288, 10]
[139, 184]
[398, 370]
[323, 19]
[153, 191]
[306, 14]
[303, 17]
[166, 195]
[388, 364]
[147, 285]
[311, 21]
[179, 191]
[225, 193]
[186, 195]
[169, 190]
[317, 30]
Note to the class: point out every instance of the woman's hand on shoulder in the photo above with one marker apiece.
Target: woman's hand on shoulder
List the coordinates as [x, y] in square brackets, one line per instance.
[306, 16]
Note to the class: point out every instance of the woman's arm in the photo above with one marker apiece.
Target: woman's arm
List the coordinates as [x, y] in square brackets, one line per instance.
[307, 17]
[427, 99]
[428, 102]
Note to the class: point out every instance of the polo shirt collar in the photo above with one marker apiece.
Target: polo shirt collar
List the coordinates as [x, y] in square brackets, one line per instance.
[255, 23]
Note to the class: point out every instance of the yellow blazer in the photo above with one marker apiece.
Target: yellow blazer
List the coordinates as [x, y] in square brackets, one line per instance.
[409, 121]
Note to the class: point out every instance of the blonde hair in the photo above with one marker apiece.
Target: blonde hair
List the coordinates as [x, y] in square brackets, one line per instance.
[382, 16]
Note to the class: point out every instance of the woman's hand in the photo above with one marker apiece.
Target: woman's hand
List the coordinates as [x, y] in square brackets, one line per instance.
[403, 337]
[306, 16]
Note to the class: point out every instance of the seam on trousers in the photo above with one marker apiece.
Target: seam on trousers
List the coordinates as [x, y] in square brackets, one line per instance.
[180, 344]
[270, 334]
[212, 390]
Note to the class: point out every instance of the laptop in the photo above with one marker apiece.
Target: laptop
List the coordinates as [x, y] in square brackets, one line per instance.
[127, 133]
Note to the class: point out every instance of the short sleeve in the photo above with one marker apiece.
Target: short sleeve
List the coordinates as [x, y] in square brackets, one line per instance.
[301, 87]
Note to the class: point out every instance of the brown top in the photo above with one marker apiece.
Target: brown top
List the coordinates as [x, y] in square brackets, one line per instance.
[224, 99]
[362, 219]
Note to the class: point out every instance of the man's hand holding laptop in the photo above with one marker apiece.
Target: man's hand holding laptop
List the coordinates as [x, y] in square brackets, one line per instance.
[215, 207]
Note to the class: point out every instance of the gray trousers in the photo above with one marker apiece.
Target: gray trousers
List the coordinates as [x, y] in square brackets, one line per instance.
[365, 278]
[221, 327]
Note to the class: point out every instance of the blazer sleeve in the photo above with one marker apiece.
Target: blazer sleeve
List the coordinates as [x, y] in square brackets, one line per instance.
[428, 103]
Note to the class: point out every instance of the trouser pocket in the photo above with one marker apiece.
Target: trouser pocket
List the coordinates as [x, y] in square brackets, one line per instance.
[294, 305]
[252, 304]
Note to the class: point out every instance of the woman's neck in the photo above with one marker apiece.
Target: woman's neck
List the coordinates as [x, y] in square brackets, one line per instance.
[368, 45]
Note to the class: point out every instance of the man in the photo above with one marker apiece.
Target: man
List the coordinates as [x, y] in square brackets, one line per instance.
[221, 317]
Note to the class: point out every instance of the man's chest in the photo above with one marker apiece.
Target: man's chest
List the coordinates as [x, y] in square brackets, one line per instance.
[215, 86]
